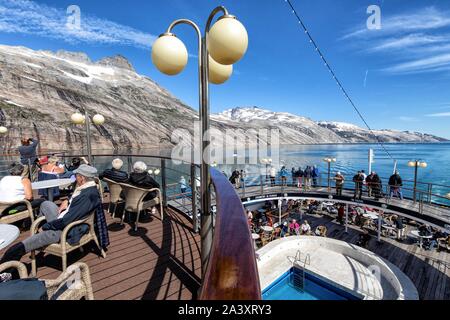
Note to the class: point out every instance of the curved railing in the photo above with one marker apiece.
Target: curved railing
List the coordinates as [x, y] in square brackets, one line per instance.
[231, 273]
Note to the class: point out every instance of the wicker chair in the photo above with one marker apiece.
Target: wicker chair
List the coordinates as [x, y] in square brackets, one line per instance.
[321, 231]
[72, 284]
[114, 194]
[20, 267]
[62, 248]
[16, 216]
[134, 201]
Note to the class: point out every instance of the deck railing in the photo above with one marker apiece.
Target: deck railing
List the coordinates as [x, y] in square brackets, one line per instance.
[231, 272]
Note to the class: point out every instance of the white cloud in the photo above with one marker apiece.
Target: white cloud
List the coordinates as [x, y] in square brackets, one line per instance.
[442, 114]
[431, 64]
[425, 19]
[409, 41]
[418, 41]
[28, 17]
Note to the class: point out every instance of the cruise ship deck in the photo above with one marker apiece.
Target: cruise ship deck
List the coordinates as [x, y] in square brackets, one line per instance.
[159, 261]
[162, 259]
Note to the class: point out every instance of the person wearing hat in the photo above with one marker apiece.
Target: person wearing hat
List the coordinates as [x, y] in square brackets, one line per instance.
[52, 166]
[115, 173]
[80, 205]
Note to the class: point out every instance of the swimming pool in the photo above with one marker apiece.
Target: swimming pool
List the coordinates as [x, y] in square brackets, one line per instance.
[314, 289]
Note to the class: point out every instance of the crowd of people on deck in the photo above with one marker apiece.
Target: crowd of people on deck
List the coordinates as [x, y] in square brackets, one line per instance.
[308, 178]
[82, 199]
[296, 222]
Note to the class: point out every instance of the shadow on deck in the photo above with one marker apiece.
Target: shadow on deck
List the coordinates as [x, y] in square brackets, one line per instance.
[160, 261]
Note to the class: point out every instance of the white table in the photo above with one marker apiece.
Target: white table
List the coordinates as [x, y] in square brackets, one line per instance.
[8, 234]
[372, 216]
[49, 184]
[417, 235]
[267, 228]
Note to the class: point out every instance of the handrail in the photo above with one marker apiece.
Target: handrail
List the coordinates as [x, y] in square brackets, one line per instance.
[232, 272]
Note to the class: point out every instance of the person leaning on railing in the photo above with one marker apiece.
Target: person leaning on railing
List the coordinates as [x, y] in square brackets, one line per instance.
[83, 202]
[377, 186]
[15, 187]
[358, 179]
[395, 184]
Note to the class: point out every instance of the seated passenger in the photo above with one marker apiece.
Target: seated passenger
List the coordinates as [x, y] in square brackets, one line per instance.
[115, 173]
[321, 231]
[14, 188]
[142, 179]
[84, 200]
[306, 228]
[294, 227]
[53, 166]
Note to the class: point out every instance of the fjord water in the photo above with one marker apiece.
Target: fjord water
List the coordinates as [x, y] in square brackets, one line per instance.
[353, 157]
[350, 158]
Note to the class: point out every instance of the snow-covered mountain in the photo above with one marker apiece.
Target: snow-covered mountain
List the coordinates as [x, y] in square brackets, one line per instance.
[304, 130]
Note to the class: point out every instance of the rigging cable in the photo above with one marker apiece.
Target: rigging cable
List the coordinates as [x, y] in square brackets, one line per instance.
[311, 40]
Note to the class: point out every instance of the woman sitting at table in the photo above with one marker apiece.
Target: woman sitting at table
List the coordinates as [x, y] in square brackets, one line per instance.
[15, 188]
[52, 167]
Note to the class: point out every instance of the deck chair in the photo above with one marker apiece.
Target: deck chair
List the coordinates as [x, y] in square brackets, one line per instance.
[73, 284]
[321, 231]
[134, 201]
[115, 190]
[266, 237]
[7, 219]
[63, 248]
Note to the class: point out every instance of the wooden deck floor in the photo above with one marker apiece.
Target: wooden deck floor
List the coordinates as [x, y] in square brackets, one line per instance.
[428, 270]
[160, 261]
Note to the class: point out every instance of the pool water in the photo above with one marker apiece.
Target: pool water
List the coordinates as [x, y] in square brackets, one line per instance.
[314, 289]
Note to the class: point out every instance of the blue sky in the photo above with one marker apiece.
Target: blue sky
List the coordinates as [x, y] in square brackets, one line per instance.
[399, 76]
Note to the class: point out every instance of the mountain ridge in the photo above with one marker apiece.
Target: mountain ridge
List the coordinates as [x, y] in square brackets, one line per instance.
[40, 90]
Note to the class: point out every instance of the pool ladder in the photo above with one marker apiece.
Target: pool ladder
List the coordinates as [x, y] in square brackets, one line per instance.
[297, 277]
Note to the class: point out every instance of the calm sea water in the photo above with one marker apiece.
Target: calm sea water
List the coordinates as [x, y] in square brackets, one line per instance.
[350, 158]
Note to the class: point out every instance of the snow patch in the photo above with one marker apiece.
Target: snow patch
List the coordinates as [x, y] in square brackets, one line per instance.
[13, 103]
[85, 80]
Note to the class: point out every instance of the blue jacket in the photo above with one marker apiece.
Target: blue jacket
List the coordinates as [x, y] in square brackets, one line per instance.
[284, 172]
[315, 172]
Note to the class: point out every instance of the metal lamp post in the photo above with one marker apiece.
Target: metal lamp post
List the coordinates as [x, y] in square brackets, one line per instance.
[78, 118]
[329, 160]
[222, 45]
[416, 164]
